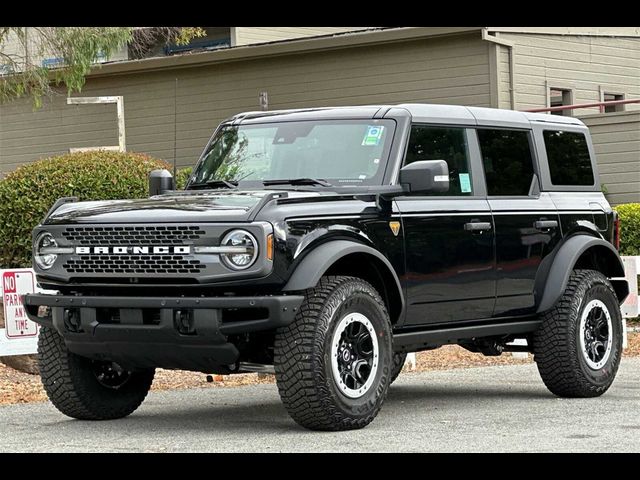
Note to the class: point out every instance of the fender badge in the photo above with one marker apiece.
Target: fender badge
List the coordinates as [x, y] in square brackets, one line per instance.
[395, 228]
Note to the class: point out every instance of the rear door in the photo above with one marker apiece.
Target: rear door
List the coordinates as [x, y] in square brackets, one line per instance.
[527, 226]
[450, 263]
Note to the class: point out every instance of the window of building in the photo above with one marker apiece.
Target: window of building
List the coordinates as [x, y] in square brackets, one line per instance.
[448, 144]
[508, 164]
[559, 97]
[609, 97]
[569, 160]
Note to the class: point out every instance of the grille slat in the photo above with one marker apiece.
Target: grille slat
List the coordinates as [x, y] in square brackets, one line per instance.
[137, 235]
[133, 263]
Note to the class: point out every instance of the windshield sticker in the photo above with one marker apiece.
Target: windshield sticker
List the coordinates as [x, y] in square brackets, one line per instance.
[373, 136]
[465, 183]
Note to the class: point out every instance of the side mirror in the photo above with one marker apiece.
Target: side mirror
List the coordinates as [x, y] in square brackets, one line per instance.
[427, 176]
[160, 181]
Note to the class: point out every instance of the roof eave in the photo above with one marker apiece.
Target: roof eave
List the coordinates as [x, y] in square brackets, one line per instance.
[357, 38]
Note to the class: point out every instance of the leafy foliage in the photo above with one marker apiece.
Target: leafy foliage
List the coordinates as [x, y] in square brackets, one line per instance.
[629, 228]
[182, 175]
[27, 193]
[77, 48]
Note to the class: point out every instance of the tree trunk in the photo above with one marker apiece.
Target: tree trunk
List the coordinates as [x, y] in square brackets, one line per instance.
[22, 363]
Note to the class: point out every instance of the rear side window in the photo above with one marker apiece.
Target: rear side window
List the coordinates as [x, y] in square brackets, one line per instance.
[448, 144]
[569, 160]
[508, 165]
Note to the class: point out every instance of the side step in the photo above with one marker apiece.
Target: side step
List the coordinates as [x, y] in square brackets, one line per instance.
[426, 339]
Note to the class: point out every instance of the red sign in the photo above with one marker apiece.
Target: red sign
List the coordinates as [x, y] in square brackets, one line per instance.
[16, 283]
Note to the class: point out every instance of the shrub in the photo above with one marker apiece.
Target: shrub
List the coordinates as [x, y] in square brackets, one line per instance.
[27, 193]
[182, 175]
[629, 228]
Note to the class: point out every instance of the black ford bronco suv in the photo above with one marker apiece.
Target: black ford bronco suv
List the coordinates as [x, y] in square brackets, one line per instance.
[323, 245]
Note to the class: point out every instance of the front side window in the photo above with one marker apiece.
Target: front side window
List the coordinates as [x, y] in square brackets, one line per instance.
[442, 143]
[569, 159]
[508, 165]
[342, 152]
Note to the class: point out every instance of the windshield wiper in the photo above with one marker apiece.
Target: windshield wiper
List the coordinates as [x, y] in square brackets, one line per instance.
[297, 181]
[215, 184]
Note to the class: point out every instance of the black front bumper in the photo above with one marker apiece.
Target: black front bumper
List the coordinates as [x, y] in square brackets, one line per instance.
[184, 333]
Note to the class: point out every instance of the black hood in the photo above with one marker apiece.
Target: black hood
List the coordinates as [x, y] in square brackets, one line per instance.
[195, 206]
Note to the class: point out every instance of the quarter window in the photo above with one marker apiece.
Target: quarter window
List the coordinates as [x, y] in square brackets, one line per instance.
[569, 159]
[508, 165]
[448, 144]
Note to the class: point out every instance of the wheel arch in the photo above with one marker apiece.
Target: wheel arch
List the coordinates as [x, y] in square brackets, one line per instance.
[579, 251]
[344, 257]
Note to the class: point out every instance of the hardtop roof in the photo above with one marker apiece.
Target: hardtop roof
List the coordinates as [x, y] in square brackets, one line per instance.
[420, 112]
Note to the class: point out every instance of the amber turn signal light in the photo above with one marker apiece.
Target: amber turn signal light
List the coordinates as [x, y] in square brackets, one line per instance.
[270, 247]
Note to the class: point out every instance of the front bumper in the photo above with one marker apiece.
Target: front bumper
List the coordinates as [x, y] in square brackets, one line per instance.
[183, 333]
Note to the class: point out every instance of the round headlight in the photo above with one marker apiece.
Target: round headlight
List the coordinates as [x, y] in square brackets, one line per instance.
[247, 250]
[44, 242]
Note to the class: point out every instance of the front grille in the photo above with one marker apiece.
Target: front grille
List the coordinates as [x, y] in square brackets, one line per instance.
[127, 264]
[133, 235]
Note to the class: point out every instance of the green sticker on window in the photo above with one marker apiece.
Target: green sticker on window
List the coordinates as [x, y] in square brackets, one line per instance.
[373, 136]
[465, 182]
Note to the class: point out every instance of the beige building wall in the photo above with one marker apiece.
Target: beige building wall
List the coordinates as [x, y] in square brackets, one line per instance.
[452, 70]
[254, 35]
[616, 139]
[584, 64]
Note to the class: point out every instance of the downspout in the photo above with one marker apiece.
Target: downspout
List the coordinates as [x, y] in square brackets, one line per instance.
[510, 46]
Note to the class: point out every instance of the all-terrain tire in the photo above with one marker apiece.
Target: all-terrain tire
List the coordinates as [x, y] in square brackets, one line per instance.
[74, 389]
[398, 363]
[303, 364]
[557, 347]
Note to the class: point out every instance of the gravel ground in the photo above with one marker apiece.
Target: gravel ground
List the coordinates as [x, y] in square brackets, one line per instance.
[17, 387]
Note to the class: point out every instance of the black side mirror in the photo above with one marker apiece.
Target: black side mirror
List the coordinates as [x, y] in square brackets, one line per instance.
[427, 176]
[160, 181]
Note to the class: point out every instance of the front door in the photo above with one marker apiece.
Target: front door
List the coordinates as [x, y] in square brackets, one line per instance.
[450, 262]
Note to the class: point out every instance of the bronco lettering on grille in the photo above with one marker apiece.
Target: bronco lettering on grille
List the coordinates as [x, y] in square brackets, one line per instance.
[122, 250]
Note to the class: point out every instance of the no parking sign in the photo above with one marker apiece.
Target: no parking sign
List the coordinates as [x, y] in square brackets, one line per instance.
[20, 335]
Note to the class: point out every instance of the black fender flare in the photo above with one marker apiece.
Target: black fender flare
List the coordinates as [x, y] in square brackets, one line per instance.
[313, 266]
[564, 261]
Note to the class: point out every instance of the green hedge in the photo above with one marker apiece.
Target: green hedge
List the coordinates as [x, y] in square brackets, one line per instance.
[629, 228]
[182, 175]
[27, 193]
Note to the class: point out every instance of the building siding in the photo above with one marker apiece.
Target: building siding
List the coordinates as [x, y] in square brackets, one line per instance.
[452, 70]
[255, 35]
[616, 139]
[580, 63]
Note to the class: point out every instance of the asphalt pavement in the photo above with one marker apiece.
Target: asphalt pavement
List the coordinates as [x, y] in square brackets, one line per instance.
[503, 409]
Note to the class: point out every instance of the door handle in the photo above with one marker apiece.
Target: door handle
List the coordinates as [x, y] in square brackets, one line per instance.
[477, 226]
[545, 224]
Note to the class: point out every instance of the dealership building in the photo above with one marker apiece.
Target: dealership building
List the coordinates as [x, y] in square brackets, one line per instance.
[174, 98]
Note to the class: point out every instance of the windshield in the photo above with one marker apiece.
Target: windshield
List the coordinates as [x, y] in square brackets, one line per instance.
[340, 152]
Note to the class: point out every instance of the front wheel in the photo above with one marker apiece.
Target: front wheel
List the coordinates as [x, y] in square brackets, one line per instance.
[333, 363]
[579, 344]
[399, 360]
[88, 389]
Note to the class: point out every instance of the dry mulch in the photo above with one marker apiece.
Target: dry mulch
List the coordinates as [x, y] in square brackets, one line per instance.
[18, 387]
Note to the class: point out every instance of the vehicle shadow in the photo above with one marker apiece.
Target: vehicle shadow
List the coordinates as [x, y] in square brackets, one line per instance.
[268, 416]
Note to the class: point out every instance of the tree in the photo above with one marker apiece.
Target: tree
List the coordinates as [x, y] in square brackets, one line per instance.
[77, 48]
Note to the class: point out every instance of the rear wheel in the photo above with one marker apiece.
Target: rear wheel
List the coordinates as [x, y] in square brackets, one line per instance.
[579, 344]
[333, 363]
[88, 389]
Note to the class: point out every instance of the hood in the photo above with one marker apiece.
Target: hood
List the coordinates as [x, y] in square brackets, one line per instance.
[192, 206]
